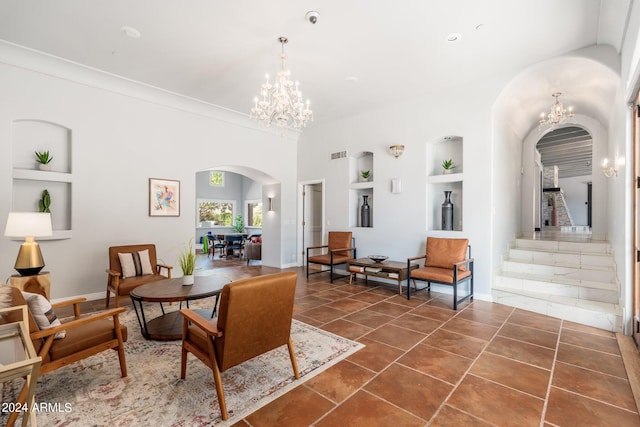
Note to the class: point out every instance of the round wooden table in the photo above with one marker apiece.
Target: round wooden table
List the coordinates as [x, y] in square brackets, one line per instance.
[168, 326]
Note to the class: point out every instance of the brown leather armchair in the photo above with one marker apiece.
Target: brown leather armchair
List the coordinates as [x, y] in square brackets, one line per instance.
[340, 249]
[447, 262]
[254, 317]
[121, 285]
[84, 336]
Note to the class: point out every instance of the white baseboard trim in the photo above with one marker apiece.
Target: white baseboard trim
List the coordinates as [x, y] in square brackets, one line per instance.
[90, 297]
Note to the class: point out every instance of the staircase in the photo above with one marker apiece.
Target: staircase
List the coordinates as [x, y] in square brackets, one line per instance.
[571, 280]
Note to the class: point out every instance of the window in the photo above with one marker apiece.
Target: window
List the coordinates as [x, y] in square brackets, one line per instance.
[254, 214]
[216, 179]
[217, 212]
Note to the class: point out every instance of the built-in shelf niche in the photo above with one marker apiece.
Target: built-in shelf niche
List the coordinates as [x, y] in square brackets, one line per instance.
[359, 187]
[29, 182]
[437, 182]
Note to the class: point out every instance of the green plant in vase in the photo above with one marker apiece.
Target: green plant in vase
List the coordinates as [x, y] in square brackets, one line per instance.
[45, 202]
[448, 166]
[43, 158]
[365, 175]
[187, 261]
[238, 224]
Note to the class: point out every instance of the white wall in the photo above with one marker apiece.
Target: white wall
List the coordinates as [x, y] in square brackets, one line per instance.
[399, 220]
[575, 194]
[123, 134]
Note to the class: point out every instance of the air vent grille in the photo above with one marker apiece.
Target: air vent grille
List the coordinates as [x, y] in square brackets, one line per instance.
[338, 155]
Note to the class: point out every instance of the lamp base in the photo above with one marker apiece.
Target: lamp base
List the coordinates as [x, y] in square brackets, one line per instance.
[32, 271]
[29, 261]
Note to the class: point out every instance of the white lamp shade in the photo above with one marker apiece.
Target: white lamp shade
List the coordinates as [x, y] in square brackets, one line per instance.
[28, 224]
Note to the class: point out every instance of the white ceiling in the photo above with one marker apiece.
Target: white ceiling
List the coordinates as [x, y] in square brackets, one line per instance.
[360, 54]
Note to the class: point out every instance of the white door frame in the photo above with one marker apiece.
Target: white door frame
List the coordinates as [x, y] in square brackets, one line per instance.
[301, 251]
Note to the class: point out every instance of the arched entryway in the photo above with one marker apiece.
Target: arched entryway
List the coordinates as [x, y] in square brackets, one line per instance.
[268, 193]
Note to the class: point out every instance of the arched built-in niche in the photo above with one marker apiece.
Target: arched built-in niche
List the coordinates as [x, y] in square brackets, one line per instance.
[440, 180]
[29, 182]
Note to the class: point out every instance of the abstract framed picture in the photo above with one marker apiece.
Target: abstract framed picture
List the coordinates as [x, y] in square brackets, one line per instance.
[164, 197]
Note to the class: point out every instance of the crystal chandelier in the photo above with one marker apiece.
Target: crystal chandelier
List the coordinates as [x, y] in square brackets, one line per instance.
[281, 102]
[557, 115]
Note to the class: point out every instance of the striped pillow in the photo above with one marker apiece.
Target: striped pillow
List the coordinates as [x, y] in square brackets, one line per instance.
[135, 263]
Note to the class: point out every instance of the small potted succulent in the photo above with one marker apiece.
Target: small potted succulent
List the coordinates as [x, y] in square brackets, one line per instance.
[365, 175]
[447, 166]
[44, 158]
[187, 261]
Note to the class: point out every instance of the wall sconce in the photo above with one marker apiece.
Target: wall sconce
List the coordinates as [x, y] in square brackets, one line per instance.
[610, 171]
[29, 225]
[396, 150]
[270, 204]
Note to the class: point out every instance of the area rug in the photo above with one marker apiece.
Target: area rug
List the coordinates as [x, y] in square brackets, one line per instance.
[92, 393]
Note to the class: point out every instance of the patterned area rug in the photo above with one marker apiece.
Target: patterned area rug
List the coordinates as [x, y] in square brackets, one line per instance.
[91, 392]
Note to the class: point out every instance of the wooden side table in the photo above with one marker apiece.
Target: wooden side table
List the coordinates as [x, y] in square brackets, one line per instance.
[18, 359]
[37, 284]
[394, 270]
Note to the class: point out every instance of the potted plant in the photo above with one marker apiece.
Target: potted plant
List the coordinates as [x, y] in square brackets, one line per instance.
[365, 175]
[45, 202]
[447, 166]
[43, 159]
[238, 224]
[187, 261]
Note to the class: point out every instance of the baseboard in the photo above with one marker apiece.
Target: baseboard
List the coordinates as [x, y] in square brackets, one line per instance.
[90, 297]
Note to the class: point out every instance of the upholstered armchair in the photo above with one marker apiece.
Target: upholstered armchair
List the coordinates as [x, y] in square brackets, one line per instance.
[131, 266]
[62, 343]
[447, 262]
[339, 249]
[254, 317]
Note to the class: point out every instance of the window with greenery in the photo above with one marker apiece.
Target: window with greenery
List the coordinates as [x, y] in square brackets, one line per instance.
[220, 212]
[216, 179]
[254, 214]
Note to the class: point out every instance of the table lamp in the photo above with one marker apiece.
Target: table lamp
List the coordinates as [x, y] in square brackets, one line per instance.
[29, 225]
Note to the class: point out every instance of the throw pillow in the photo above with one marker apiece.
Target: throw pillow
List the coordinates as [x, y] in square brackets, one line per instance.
[256, 239]
[135, 263]
[5, 296]
[43, 313]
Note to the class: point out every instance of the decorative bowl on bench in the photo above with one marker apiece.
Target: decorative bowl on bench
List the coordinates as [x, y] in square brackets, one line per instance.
[377, 258]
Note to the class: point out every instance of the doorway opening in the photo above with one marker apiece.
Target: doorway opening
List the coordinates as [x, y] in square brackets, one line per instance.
[565, 172]
[311, 215]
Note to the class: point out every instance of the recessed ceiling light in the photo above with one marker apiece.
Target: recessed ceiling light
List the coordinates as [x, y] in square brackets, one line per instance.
[480, 27]
[131, 32]
[454, 37]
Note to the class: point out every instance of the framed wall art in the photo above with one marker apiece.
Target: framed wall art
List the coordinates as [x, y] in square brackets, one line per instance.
[164, 197]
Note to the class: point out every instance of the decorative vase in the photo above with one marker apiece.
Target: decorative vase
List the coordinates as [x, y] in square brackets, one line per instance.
[447, 212]
[446, 171]
[187, 280]
[44, 167]
[365, 212]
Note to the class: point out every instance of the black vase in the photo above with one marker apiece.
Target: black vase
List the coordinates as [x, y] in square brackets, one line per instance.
[365, 212]
[447, 212]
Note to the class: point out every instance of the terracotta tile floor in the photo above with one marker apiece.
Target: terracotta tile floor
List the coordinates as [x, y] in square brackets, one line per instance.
[426, 365]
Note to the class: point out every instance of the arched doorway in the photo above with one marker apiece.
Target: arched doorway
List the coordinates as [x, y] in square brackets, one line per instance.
[566, 179]
[254, 187]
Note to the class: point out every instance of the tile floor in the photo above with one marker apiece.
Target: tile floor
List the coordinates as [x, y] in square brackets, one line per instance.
[426, 365]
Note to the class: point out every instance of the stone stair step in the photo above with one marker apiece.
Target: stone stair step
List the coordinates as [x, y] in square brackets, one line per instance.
[564, 246]
[593, 273]
[588, 290]
[597, 314]
[539, 256]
